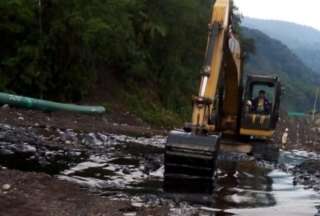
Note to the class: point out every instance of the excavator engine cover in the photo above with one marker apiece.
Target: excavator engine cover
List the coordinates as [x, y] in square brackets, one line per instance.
[190, 160]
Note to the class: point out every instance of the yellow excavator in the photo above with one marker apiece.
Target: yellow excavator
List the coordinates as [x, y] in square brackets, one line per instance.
[224, 117]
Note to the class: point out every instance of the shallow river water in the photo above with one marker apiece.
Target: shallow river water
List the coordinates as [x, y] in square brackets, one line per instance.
[245, 187]
[127, 168]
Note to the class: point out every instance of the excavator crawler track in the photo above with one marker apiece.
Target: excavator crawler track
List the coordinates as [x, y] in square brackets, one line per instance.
[190, 160]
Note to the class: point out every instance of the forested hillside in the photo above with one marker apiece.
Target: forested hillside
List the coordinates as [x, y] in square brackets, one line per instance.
[143, 55]
[304, 41]
[149, 52]
[273, 57]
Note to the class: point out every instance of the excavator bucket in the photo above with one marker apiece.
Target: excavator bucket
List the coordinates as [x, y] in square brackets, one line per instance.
[190, 160]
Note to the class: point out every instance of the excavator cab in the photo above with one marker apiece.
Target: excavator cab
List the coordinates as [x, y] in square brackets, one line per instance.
[260, 91]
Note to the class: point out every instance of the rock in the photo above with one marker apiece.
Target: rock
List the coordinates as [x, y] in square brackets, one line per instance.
[6, 152]
[317, 188]
[308, 174]
[294, 182]
[91, 139]
[20, 118]
[317, 122]
[25, 148]
[5, 106]
[137, 204]
[130, 214]
[6, 187]
[306, 177]
[207, 209]
[103, 138]
[126, 171]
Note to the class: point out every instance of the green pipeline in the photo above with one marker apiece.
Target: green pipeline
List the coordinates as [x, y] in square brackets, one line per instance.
[37, 104]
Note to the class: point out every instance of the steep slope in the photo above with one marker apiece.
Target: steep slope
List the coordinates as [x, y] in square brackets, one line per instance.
[273, 57]
[304, 41]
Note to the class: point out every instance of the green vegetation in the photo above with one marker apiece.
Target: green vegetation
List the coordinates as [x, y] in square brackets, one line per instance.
[143, 54]
[304, 41]
[272, 57]
[57, 49]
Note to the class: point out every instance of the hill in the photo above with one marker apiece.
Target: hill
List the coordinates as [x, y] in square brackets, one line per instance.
[139, 57]
[273, 57]
[304, 41]
[143, 56]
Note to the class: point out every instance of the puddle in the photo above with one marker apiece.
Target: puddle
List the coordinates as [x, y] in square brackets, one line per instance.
[249, 188]
[296, 157]
[284, 198]
[123, 172]
[128, 168]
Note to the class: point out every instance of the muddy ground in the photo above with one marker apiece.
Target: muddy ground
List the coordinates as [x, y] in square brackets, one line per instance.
[35, 147]
[122, 123]
[33, 194]
[32, 134]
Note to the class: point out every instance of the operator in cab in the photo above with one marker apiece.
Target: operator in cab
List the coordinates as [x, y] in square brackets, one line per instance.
[261, 104]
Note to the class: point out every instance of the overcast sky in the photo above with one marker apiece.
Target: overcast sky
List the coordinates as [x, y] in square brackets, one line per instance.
[306, 12]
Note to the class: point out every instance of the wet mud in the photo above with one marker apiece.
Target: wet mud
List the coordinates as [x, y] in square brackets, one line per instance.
[77, 172]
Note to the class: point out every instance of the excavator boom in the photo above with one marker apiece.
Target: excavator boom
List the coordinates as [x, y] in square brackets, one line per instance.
[191, 155]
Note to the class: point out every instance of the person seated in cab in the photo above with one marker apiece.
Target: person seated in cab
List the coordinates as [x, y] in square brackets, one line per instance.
[261, 104]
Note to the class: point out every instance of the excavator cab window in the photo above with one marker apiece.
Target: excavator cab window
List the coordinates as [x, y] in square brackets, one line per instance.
[261, 101]
[262, 97]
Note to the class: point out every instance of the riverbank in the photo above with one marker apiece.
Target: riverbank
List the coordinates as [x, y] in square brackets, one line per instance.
[122, 123]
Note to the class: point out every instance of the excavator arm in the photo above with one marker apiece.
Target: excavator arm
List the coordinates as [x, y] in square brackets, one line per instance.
[221, 70]
[191, 154]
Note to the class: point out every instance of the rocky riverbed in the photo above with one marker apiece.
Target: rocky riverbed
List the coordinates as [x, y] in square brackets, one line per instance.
[52, 168]
[308, 174]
